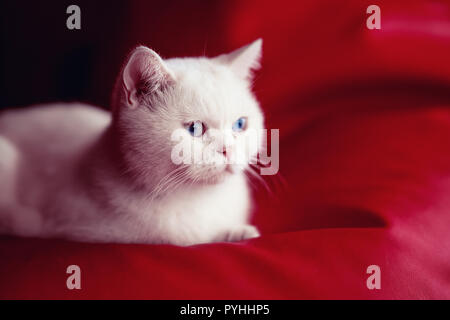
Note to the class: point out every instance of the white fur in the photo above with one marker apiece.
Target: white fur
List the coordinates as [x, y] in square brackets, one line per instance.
[78, 172]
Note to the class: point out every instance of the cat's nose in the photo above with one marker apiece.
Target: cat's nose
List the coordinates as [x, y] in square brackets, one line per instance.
[226, 152]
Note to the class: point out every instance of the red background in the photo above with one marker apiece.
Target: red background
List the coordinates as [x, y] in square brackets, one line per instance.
[365, 147]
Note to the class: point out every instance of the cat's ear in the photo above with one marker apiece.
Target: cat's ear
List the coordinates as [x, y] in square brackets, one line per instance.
[144, 74]
[243, 60]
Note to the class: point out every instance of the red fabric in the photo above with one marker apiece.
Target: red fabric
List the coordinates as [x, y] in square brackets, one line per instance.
[364, 121]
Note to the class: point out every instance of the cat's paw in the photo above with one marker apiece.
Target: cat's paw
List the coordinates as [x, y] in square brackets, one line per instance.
[241, 233]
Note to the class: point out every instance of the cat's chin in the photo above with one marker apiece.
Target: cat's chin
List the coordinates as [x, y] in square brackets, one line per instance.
[221, 176]
[218, 178]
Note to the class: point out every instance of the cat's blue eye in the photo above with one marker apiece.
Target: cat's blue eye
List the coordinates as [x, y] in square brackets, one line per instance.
[240, 124]
[196, 128]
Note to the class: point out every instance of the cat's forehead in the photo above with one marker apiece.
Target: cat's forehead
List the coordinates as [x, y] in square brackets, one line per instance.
[192, 71]
[208, 88]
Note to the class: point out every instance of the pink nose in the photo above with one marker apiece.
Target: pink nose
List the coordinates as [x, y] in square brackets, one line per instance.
[226, 153]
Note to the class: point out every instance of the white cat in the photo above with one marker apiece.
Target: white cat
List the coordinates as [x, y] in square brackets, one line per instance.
[77, 172]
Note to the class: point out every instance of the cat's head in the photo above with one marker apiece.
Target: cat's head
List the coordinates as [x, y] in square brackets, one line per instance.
[188, 119]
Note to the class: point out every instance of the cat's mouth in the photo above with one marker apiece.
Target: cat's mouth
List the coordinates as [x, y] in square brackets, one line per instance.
[229, 168]
[227, 171]
[218, 175]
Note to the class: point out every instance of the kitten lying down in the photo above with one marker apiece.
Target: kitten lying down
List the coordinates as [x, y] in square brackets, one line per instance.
[77, 172]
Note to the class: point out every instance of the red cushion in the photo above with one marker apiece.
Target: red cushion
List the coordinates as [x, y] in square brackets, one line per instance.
[364, 179]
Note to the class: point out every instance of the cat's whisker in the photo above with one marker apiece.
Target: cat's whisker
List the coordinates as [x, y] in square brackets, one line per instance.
[176, 181]
[277, 181]
[165, 181]
[253, 173]
[180, 181]
[168, 184]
